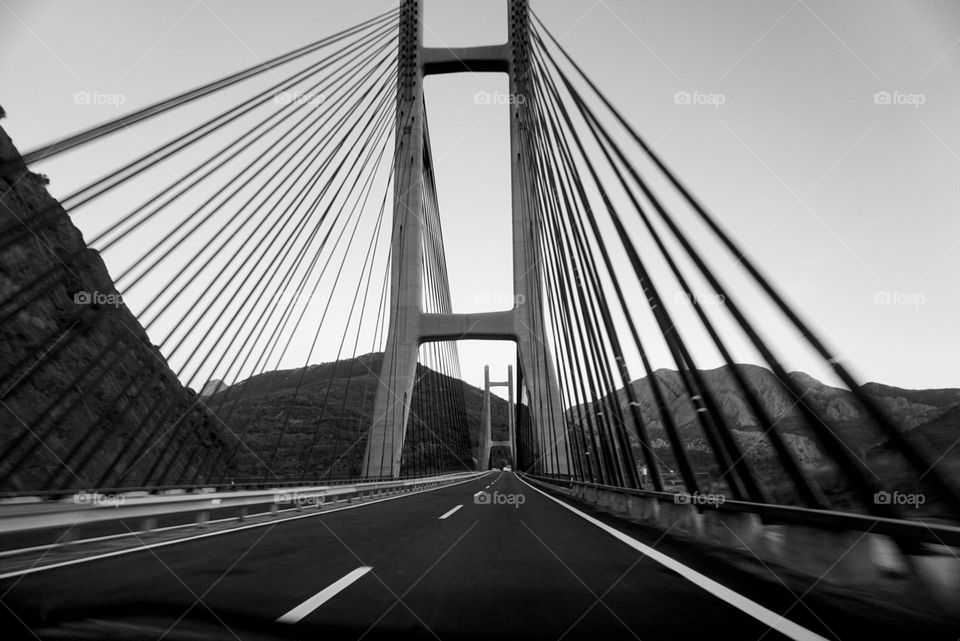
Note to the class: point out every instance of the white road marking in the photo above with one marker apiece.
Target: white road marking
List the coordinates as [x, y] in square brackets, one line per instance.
[323, 596]
[450, 513]
[752, 608]
[160, 544]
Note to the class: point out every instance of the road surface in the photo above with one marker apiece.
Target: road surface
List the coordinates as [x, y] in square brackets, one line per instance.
[436, 564]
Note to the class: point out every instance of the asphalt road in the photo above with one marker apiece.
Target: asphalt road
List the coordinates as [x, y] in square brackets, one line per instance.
[524, 567]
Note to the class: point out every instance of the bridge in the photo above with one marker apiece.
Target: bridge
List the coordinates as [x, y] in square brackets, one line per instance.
[166, 471]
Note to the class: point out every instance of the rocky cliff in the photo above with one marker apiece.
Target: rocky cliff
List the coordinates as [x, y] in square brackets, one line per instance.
[87, 399]
[932, 415]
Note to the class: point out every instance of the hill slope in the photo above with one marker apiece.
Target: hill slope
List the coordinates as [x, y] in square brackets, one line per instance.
[88, 400]
[324, 424]
[933, 415]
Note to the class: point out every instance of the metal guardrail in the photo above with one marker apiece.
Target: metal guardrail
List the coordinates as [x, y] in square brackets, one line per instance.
[86, 508]
[922, 531]
[234, 484]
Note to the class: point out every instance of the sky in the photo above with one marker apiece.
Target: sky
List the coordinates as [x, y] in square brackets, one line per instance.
[824, 136]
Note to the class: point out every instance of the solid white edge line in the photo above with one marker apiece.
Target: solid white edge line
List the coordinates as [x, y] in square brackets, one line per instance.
[450, 513]
[323, 596]
[747, 606]
[105, 555]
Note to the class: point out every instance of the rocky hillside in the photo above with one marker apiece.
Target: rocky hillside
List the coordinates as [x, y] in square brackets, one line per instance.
[87, 398]
[933, 415]
[310, 420]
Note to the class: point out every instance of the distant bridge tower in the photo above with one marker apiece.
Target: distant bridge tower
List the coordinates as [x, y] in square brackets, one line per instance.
[410, 326]
[486, 420]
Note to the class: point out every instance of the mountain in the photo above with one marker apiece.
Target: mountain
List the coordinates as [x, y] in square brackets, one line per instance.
[319, 416]
[943, 431]
[931, 415]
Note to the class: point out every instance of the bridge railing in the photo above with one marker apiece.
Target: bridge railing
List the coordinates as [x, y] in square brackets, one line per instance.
[925, 530]
[87, 508]
[234, 484]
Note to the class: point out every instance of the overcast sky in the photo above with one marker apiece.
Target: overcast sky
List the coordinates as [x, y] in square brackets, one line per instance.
[845, 198]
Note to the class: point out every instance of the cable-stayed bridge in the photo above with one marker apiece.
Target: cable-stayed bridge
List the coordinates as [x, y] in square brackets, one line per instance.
[356, 498]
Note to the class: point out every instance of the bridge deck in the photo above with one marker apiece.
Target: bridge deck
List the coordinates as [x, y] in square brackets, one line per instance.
[509, 568]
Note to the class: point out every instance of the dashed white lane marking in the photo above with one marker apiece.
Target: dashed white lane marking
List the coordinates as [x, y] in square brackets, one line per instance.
[768, 617]
[322, 596]
[450, 513]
